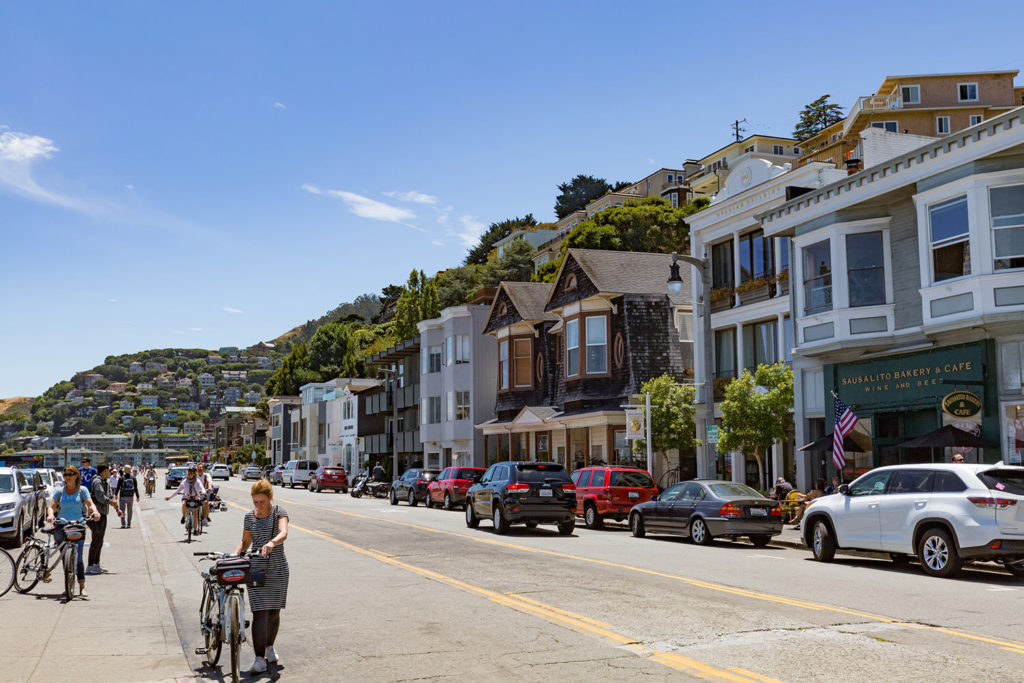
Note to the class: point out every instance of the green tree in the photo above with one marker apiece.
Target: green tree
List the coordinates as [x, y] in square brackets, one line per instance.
[293, 373]
[816, 117]
[547, 271]
[756, 412]
[418, 302]
[332, 351]
[672, 424]
[514, 265]
[497, 231]
[388, 299]
[580, 191]
[456, 286]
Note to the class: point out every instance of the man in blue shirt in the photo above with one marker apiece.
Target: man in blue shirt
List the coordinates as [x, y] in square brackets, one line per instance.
[88, 473]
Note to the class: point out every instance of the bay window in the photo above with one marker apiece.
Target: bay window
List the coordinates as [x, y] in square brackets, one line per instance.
[572, 347]
[950, 247]
[597, 344]
[521, 352]
[865, 269]
[1007, 208]
[434, 361]
[817, 263]
[503, 365]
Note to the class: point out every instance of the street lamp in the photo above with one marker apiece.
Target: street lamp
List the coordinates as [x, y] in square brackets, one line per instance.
[675, 286]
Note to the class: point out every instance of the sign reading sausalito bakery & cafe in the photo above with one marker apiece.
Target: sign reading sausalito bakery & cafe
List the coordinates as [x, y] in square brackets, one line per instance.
[961, 404]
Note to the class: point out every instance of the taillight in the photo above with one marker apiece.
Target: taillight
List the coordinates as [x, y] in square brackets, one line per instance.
[518, 488]
[998, 503]
[571, 488]
[420, 482]
[730, 510]
[776, 511]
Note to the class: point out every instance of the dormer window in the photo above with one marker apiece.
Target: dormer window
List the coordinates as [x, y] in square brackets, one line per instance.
[503, 309]
[570, 282]
[588, 333]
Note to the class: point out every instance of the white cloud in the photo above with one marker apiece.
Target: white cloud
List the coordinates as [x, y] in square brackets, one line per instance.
[229, 309]
[18, 151]
[22, 147]
[279, 105]
[437, 243]
[113, 301]
[471, 230]
[443, 214]
[413, 196]
[194, 329]
[365, 207]
[650, 161]
[129, 187]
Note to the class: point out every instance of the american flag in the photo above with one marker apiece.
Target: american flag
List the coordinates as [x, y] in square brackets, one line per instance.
[845, 420]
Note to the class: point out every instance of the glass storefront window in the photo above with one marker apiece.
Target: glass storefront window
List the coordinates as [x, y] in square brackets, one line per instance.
[865, 269]
[817, 262]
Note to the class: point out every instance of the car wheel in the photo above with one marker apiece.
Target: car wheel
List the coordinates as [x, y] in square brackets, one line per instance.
[591, 518]
[636, 525]
[19, 533]
[317, 489]
[823, 545]
[938, 554]
[411, 498]
[760, 540]
[471, 519]
[531, 525]
[699, 533]
[393, 499]
[566, 528]
[428, 502]
[343, 490]
[447, 501]
[500, 523]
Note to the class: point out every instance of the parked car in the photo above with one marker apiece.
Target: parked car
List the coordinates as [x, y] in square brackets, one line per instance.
[16, 498]
[528, 493]
[275, 474]
[449, 488]
[296, 472]
[40, 498]
[174, 476]
[704, 509]
[609, 491]
[251, 472]
[941, 512]
[267, 470]
[331, 477]
[220, 471]
[412, 486]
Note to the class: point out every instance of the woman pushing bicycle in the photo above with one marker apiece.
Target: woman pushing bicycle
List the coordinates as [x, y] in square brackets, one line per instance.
[266, 528]
[73, 502]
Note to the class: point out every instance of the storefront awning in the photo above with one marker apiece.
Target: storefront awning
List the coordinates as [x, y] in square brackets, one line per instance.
[948, 436]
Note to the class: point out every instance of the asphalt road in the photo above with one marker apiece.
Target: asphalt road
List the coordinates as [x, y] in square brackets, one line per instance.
[382, 593]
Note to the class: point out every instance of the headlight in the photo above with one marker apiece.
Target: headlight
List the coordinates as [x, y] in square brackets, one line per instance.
[6, 506]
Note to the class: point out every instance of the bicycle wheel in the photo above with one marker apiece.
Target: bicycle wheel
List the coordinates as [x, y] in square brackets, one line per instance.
[27, 569]
[234, 609]
[188, 525]
[7, 571]
[211, 622]
[69, 572]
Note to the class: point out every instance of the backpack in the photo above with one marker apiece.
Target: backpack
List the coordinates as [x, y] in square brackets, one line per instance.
[128, 486]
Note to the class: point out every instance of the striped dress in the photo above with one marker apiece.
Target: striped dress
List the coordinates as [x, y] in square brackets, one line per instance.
[274, 593]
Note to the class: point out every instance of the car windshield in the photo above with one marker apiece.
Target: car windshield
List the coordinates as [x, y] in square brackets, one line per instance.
[466, 474]
[175, 471]
[636, 480]
[733, 490]
[540, 473]
[6, 483]
[1006, 481]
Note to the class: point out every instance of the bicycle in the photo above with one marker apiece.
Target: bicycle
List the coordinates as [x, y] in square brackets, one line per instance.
[34, 565]
[222, 609]
[193, 518]
[150, 487]
[7, 572]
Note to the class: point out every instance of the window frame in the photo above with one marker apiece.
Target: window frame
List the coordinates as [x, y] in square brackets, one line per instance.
[565, 345]
[767, 255]
[752, 349]
[968, 85]
[939, 120]
[806, 280]
[503, 365]
[884, 125]
[914, 88]
[586, 345]
[933, 244]
[851, 270]
[463, 405]
[515, 358]
[980, 119]
[993, 229]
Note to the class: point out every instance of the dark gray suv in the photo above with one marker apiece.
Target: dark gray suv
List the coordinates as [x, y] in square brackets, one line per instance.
[529, 493]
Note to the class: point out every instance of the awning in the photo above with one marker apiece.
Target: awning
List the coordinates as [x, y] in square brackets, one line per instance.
[948, 437]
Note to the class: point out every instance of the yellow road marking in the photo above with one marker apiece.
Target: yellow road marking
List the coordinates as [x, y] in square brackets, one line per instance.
[1013, 646]
[527, 600]
[552, 615]
[751, 674]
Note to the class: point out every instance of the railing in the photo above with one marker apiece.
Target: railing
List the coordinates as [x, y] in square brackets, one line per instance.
[872, 103]
[838, 153]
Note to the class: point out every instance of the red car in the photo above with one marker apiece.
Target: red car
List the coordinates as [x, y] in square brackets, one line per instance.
[449, 489]
[329, 477]
[609, 491]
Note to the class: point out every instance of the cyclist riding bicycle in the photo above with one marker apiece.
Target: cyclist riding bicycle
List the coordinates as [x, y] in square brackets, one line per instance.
[191, 487]
[73, 502]
[150, 480]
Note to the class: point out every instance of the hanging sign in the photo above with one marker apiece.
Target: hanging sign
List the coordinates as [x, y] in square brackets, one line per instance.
[635, 423]
[961, 404]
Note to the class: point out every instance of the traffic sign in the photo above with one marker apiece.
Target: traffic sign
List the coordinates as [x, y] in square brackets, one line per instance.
[712, 433]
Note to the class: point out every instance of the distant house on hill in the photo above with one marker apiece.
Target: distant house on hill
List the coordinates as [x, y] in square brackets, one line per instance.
[136, 368]
[150, 401]
[214, 359]
[156, 365]
[206, 379]
[89, 380]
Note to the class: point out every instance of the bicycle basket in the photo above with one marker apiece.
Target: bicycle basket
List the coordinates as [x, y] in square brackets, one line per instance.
[192, 503]
[74, 532]
[232, 571]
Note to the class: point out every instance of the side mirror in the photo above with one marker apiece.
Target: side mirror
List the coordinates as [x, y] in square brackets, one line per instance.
[477, 478]
[28, 488]
[844, 489]
[654, 498]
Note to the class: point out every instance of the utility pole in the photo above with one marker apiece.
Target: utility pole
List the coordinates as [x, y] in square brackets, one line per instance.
[736, 130]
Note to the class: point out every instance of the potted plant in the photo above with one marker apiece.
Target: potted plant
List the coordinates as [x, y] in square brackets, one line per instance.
[755, 289]
[782, 282]
[721, 298]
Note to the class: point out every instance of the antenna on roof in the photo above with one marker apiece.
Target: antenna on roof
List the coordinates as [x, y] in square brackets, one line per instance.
[736, 130]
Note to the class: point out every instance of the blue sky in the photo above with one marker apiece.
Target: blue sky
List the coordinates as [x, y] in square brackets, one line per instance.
[211, 174]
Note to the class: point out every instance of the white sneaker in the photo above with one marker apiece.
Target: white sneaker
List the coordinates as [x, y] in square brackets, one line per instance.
[259, 666]
[271, 655]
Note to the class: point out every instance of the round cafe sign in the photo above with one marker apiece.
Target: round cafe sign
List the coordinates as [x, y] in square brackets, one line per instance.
[961, 404]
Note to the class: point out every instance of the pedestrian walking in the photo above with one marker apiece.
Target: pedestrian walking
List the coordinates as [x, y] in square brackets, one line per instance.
[115, 478]
[102, 498]
[87, 472]
[127, 495]
[74, 503]
[266, 528]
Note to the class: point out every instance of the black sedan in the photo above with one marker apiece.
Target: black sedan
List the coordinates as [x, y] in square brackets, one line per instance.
[529, 493]
[174, 476]
[412, 485]
[704, 509]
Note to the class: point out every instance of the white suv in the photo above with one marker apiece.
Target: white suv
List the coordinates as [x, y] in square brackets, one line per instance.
[296, 472]
[942, 513]
[220, 471]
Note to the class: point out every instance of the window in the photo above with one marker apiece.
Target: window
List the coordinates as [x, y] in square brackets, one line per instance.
[911, 481]
[968, 92]
[888, 126]
[450, 403]
[976, 119]
[778, 149]
[570, 282]
[951, 250]
[865, 269]
[748, 150]
[942, 125]
[1007, 208]
[787, 339]
[543, 451]
[597, 344]
[449, 356]
[522, 354]
[423, 410]
[755, 256]
[434, 410]
[462, 349]
[818, 277]
[503, 365]
[434, 358]
[783, 254]
[572, 348]
[725, 353]
[462, 405]
[911, 94]
[947, 482]
[675, 200]
[670, 178]
[796, 150]
[759, 342]
[870, 484]
[721, 265]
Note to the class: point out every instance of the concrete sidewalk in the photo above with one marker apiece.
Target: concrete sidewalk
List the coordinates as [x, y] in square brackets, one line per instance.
[124, 631]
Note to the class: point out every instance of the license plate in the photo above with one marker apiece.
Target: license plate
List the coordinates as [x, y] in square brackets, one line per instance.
[759, 512]
[634, 494]
[546, 493]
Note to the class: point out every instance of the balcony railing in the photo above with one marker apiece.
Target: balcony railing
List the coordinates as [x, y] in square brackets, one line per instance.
[839, 153]
[872, 103]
